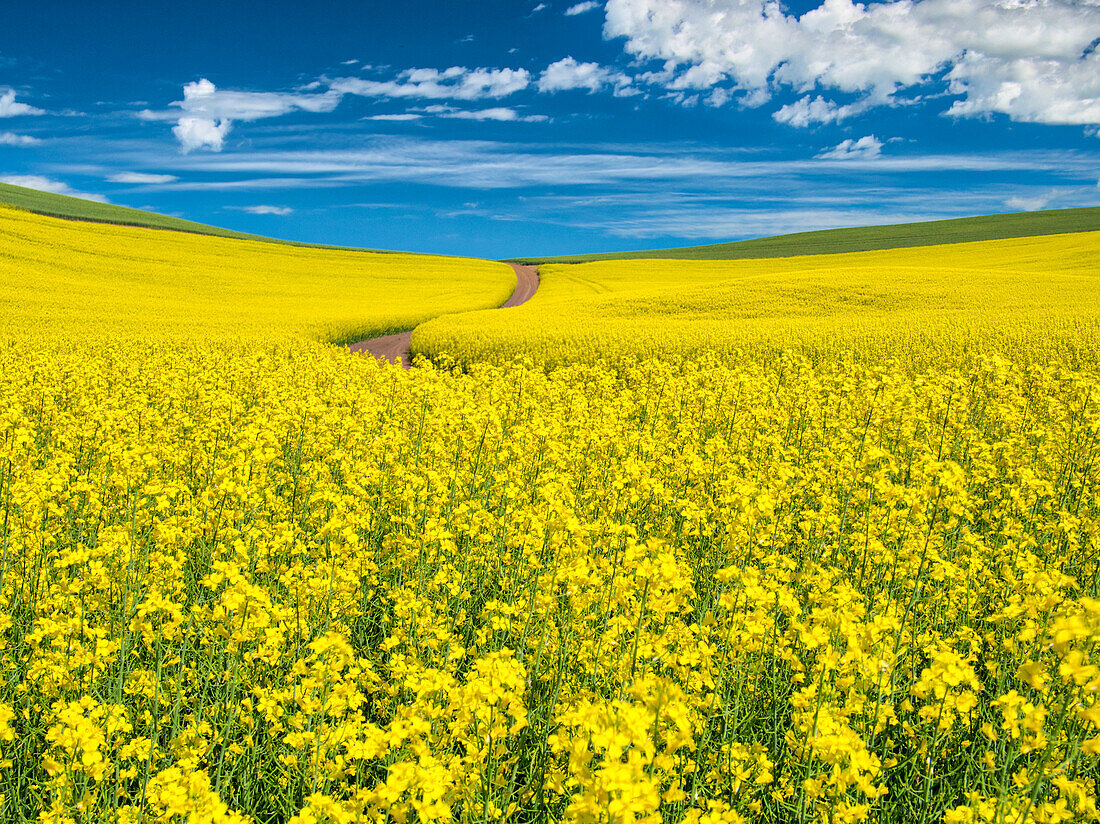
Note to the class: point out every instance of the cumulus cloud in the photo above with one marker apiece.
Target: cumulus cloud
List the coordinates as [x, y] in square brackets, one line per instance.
[9, 108]
[866, 148]
[282, 211]
[807, 111]
[12, 139]
[207, 113]
[200, 132]
[581, 8]
[567, 74]
[45, 184]
[1028, 89]
[1031, 60]
[454, 83]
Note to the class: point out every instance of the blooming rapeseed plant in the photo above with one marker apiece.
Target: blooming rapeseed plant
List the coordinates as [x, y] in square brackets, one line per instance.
[247, 577]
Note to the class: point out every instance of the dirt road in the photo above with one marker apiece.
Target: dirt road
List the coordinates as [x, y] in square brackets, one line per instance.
[395, 348]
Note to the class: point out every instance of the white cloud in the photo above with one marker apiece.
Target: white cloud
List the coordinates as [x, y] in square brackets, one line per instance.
[501, 114]
[807, 111]
[208, 113]
[9, 108]
[455, 83]
[567, 74]
[394, 117]
[141, 178]
[282, 211]
[820, 202]
[866, 148]
[11, 139]
[718, 97]
[1028, 89]
[200, 132]
[538, 8]
[715, 222]
[1027, 59]
[582, 8]
[203, 99]
[45, 184]
[1033, 202]
[494, 165]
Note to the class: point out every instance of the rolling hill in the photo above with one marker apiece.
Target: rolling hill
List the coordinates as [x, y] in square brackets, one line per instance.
[80, 280]
[75, 208]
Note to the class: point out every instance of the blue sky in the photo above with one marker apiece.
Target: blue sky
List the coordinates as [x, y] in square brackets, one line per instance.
[496, 129]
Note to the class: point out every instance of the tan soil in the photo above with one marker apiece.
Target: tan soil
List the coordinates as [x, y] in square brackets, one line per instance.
[395, 348]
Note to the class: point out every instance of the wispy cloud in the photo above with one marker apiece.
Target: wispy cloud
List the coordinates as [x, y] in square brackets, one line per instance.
[401, 116]
[141, 178]
[1046, 198]
[636, 190]
[709, 223]
[498, 113]
[12, 139]
[497, 165]
[582, 8]
[454, 83]
[281, 211]
[697, 217]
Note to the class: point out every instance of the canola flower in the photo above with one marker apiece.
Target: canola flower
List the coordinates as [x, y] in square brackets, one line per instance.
[255, 581]
[1024, 298]
[64, 278]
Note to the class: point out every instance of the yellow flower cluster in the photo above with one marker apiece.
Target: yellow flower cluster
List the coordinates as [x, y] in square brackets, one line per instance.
[292, 585]
[61, 278]
[245, 580]
[1025, 298]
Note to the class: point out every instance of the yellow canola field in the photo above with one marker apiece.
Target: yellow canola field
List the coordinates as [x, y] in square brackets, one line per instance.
[1013, 297]
[61, 278]
[253, 578]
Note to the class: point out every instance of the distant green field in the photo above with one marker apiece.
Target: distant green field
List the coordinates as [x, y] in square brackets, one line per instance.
[75, 208]
[828, 241]
[869, 238]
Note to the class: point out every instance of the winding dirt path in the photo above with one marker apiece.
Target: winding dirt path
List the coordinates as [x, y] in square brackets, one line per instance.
[527, 283]
[395, 348]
